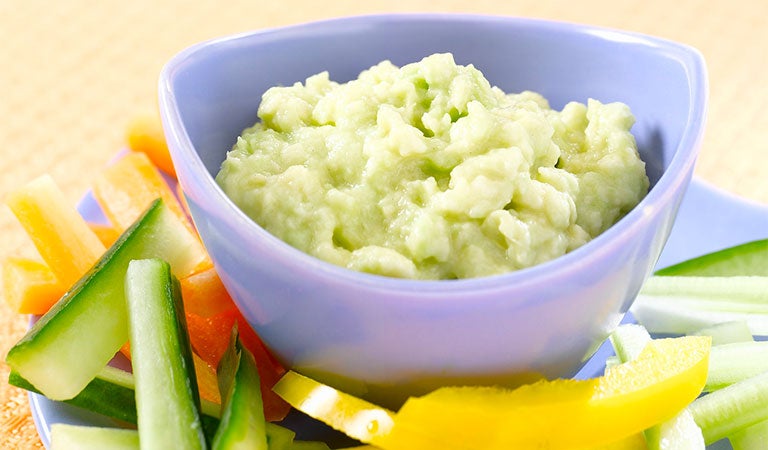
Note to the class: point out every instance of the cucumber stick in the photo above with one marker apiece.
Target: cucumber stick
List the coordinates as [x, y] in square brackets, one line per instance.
[750, 258]
[111, 393]
[731, 363]
[89, 324]
[242, 417]
[167, 400]
[754, 437]
[75, 437]
[732, 408]
[727, 333]
[685, 304]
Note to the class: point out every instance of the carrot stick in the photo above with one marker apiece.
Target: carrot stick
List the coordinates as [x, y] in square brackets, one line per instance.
[30, 287]
[62, 237]
[145, 134]
[126, 188]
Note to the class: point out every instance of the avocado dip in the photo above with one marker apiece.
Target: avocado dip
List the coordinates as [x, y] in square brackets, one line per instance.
[426, 171]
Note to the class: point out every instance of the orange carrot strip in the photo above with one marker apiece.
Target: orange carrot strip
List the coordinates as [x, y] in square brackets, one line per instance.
[204, 294]
[207, 382]
[127, 187]
[60, 234]
[145, 134]
[29, 286]
[107, 234]
[209, 337]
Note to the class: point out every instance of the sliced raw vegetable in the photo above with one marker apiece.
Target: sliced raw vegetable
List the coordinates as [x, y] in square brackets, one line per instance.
[167, 401]
[95, 306]
[746, 259]
[77, 437]
[731, 363]
[727, 332]
[629, 341]
[145, 134]
[60, 234]
[242, 417]
[209, 337]
[666, 376]
[730, 409]
[279, 438]
[352, 416]
[30, 287]
[112, 394]
[205, 295]
[677, 433]
[126, 187]
[754, 437]
[107, 234]
[207, 380]
[727, 294]
[686, 304]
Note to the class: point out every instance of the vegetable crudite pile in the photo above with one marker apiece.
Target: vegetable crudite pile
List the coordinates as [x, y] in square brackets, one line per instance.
[691, 372]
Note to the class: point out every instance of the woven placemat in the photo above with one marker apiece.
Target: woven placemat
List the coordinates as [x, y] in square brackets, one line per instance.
[74, 72]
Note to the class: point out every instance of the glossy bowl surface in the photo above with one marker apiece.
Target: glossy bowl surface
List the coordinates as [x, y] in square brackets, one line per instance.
[385, 338]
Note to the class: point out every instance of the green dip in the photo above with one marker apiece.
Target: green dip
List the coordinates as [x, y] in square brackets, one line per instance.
[428, 172]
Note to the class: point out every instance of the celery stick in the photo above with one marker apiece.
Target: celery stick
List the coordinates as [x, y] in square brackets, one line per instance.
[76, 437]
[677, 433]
[727, 332]
[730, 409]
[731, 363]
[754, 437]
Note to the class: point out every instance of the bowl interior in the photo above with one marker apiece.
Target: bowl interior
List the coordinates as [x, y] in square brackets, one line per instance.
[217, 86]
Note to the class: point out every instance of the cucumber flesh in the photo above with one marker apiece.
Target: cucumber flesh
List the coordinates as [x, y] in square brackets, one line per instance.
[750, 258]
[754, 437]
[279, 438]
[89, 324]
[76, 437]
[684, 305]
[242, 418]
[167, 400]
[727, 333]
[731, 363]
[106, 394]
[629, 340]
[733, 408]
[111, 393]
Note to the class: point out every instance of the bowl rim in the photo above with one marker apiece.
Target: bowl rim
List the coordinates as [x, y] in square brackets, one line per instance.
[674, 177]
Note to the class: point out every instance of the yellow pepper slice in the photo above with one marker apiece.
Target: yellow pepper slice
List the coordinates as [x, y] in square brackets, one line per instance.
[351, 415]
[666, 377]
[606, 413]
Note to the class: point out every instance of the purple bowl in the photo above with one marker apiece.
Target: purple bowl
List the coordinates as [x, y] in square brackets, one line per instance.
[385, 338]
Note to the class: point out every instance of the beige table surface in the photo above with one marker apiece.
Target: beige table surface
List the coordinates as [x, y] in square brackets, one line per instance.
[73, 72]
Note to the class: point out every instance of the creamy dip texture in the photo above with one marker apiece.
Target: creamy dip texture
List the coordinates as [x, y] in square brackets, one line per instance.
[427, 171]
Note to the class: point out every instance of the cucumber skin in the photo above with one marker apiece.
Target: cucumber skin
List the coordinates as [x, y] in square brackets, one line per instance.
[94, 306]
[77, 437]
[103, 396]
[750, 258]
[167, 399]
[242, 418]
